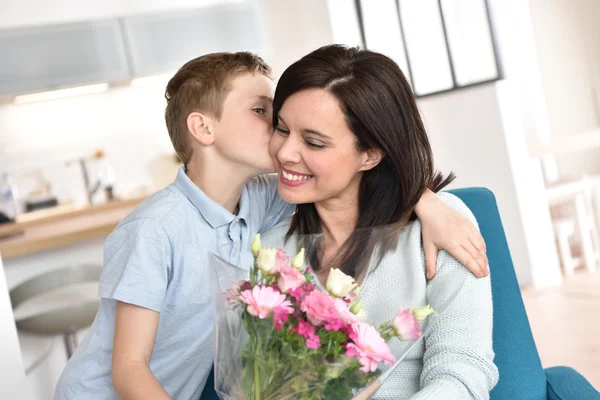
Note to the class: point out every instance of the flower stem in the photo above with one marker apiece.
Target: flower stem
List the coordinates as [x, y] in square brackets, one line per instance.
[256, 376]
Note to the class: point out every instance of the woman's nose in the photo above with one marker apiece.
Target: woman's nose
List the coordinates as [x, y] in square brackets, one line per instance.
[289, 151]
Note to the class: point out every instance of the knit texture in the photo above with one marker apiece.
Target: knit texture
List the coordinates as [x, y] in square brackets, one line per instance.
[455, 359]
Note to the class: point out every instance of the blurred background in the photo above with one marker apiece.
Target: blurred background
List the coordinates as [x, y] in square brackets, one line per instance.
[509, 91]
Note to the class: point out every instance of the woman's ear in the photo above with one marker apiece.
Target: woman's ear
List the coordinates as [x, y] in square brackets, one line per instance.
[372, 158]
[200, 127]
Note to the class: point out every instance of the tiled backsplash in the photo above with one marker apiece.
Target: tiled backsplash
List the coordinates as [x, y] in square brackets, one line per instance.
[127, 123]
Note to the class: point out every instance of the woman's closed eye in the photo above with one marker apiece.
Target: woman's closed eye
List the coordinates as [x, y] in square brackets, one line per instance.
[312, 143]
[282, 131]
[316, 144]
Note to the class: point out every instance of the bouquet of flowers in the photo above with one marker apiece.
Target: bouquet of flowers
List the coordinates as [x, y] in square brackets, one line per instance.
[278, 336]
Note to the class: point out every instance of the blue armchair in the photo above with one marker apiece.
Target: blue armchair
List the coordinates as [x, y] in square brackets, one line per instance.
[521, 374]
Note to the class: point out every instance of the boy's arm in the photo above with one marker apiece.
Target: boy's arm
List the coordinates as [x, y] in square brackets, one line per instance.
[135, 332]
[137, 265]
[445, 229]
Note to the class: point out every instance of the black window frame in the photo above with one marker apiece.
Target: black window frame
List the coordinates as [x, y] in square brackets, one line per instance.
[455, 85]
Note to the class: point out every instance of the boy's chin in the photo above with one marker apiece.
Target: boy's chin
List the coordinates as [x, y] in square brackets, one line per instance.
[255, 170]
[265, 169]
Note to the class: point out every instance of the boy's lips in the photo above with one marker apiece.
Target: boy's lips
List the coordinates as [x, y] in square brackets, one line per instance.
[293, 178]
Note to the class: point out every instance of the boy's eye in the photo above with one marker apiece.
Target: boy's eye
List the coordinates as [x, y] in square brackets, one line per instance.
[259, 110]
[282, 131]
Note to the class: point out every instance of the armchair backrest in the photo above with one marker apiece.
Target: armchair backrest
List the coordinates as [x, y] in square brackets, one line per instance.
[521, 373]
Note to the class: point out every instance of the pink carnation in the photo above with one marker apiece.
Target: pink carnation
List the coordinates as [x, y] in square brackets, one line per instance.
[368, 347]
[262, 300]
[280, 316]
[290, 278]
[406, 325]
[319, 308]
[233, 295]
[307, 330]
[345, 314]
[302, 291]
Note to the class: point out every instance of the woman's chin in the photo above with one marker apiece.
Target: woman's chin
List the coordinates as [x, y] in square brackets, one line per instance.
[292, 198]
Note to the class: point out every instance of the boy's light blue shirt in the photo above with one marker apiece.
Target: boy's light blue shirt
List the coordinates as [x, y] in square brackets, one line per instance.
[157, 258]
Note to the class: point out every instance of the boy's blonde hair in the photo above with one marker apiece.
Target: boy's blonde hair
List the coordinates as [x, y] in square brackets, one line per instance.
[201, 86]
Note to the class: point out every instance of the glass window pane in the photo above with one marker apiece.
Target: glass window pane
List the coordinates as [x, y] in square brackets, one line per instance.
[382, 30]
[426, 46]
[470, 42]
[344, 22]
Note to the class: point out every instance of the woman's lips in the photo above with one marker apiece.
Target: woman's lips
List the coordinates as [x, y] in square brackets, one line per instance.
[293, 178]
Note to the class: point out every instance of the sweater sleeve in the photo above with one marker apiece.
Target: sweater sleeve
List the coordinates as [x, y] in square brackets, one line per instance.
[458, 360]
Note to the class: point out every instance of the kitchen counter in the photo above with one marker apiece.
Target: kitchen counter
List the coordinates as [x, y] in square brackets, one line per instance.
[62, 225]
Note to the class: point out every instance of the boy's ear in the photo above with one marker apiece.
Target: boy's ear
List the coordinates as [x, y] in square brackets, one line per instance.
[372, 157]
[200, 127]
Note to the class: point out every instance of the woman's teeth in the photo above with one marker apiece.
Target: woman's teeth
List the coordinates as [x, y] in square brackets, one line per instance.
[291, 177]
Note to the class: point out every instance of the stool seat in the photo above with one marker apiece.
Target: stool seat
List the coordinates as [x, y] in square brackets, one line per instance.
[70, 315]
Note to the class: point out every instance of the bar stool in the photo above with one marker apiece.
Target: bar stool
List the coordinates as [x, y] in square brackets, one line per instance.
[65, 319]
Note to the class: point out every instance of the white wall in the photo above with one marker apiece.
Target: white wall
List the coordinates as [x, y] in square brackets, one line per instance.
[295, 28]
[567, 37]
[476, 133]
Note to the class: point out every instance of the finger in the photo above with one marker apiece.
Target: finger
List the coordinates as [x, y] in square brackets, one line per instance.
[477, 240]
[468, 258]
[431, 252]
[481, 257]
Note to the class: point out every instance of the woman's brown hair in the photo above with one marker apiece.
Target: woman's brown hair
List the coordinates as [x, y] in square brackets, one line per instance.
[381, 111]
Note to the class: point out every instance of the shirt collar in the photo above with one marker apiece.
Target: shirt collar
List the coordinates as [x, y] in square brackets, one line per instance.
[215, 214]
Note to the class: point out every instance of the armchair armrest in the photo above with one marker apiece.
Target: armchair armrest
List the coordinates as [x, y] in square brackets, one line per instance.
[565, 383]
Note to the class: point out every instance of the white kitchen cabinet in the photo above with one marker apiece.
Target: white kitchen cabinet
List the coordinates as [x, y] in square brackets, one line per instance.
[43, 58]
[163, 42]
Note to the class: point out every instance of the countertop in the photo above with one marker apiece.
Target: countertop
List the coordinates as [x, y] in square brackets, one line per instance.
[62, 225]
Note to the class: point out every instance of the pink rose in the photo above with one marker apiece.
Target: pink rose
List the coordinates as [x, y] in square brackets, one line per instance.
[282, 260]
[262, 300]
[290, 278]
[270, 261]
[319, 308]
[368, 347]
[406, 326]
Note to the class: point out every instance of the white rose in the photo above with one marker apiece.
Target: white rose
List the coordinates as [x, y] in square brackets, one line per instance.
[339, 284]
[267, 261]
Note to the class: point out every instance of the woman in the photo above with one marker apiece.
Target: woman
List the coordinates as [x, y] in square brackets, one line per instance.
[348, 143]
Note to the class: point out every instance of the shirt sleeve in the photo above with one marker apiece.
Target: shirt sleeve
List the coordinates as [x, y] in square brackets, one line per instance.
[137, 264]
[269, 205]
[458, 360]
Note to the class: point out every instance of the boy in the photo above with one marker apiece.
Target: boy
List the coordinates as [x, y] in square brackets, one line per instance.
[152, 336]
